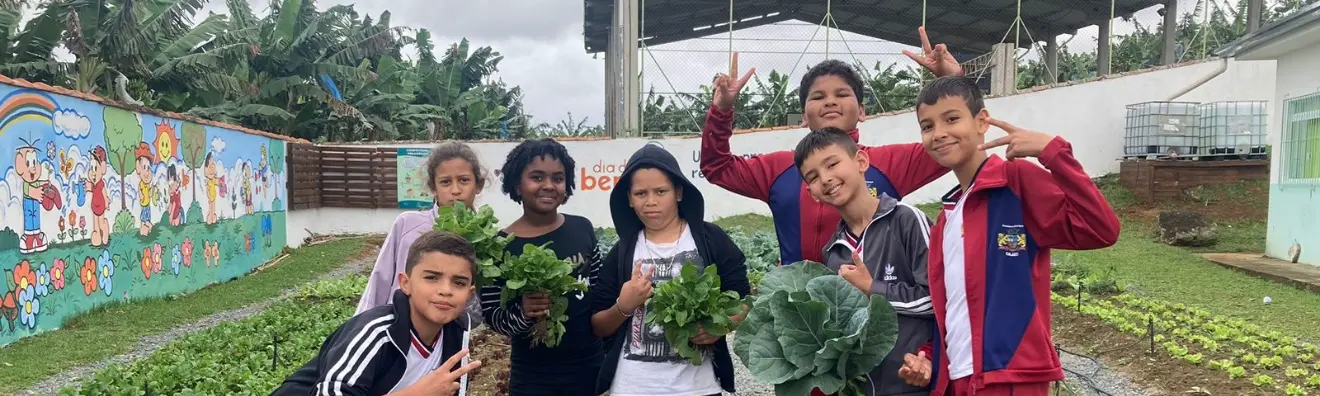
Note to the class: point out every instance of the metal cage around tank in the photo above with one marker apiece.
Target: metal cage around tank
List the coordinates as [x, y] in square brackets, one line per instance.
[1233, 129]
[1162, 130]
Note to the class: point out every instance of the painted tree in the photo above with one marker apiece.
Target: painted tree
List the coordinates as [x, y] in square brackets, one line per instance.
[194, 150]
[123, 132]
[275, 160]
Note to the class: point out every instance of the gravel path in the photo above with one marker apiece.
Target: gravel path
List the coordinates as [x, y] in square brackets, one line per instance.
[1085, 376]
[148, 345]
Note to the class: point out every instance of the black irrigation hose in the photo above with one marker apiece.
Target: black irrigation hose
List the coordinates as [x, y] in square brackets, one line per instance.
[1085, 378]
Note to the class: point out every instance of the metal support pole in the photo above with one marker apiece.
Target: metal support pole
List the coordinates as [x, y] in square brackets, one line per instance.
[1253, 14]
[1102, 51]
[1169, 55]
[1052, 58]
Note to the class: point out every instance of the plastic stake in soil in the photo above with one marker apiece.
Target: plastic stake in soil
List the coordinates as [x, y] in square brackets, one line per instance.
[1081, 285]
[274, 351]
[1151, 333]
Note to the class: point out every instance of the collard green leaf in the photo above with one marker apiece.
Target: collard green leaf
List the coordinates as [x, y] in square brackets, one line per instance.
[814, 330]
[792, 277]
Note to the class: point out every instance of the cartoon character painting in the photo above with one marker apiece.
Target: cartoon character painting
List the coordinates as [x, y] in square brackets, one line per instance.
[214, 187]
[144, 163]
[38, 195]
[247, 187]
[175, 206]
[96, 184]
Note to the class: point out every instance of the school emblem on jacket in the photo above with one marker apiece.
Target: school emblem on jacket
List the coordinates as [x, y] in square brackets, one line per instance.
[1012, 241]
[889, 273]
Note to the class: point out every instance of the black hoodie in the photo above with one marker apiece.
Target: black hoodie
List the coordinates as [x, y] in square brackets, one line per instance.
[713, 244]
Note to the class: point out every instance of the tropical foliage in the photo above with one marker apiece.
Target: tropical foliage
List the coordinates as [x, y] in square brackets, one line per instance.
[329, 74]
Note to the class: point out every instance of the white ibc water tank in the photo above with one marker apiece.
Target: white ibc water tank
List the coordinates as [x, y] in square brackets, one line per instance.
[1233, 128]
[1161, 129]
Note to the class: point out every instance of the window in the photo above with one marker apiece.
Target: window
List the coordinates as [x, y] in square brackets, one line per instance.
[1301, 140]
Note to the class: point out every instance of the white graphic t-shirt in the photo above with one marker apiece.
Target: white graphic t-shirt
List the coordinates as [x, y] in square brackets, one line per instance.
[648, 365]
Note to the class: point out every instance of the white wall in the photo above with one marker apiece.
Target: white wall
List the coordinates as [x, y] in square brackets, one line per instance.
[1090, 115]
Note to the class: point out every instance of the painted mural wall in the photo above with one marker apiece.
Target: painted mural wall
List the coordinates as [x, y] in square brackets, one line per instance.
[101, 204]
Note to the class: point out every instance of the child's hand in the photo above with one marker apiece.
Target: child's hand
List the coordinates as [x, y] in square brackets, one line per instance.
[1021, 142]
[703, 338]
[535, 305]
[857, 274]
[915, 370]
[637, 290]
[727, 86]
[937, 59]
[442, 381]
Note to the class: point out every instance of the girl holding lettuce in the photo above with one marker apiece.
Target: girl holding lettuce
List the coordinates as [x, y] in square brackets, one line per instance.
[659, 217]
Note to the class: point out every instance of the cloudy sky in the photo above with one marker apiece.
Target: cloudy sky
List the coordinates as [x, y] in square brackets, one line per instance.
[544, 53]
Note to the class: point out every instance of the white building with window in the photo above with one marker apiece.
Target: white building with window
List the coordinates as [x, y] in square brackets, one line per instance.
[1294, 211]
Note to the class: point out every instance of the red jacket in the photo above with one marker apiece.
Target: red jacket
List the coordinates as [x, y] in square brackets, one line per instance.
[1015, 214]
[803, 225]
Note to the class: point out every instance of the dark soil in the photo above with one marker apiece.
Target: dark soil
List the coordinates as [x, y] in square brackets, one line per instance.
[1089, 336]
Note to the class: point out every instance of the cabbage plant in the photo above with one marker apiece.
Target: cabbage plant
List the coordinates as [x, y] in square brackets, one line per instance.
[810, 328]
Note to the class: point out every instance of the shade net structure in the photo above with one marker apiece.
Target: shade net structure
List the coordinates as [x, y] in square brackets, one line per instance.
[683, 44]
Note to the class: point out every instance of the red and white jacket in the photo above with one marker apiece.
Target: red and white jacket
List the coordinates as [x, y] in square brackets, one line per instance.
[1016, 213]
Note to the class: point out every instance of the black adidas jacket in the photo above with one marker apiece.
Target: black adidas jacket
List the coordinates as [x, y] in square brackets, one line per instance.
[368, 354]
[894, 247]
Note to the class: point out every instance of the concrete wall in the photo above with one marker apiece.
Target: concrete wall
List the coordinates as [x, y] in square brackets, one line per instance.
[1090, 115]
[1292, 214]
[101, 204]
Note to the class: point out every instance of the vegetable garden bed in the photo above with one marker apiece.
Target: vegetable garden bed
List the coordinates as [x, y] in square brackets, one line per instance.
[1224, 348]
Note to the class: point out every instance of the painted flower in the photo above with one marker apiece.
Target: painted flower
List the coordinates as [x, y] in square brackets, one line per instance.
[82, 222]
[61, 224]
[156, 261]
[28, 306]
[146, 262]
[23, 275]
[187, 252]
[57, 274]
[175, 260]
[73, 219]
[43, 280]
[105, 272]
[88, 276]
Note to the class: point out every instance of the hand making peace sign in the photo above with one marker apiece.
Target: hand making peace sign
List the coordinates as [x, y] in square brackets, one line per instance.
[442, 381]
[727, 88]
[937, 59]
[1021, 142]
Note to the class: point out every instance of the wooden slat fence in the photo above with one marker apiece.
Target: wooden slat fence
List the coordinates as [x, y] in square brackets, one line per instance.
[344, 177]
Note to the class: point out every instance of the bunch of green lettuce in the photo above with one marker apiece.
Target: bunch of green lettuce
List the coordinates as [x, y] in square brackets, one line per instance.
[538, 269]
[692, 302]
[810, 328]
[480, 228]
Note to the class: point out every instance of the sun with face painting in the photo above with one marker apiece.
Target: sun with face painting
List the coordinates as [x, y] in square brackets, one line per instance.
[167, 143]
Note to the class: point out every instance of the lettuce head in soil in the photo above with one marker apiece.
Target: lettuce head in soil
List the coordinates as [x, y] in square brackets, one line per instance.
[810, 328]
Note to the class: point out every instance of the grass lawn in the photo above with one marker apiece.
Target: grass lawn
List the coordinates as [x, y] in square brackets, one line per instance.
[115, 328]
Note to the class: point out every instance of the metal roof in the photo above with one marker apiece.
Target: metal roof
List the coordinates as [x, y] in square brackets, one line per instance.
[1304, 20]
[966, 26]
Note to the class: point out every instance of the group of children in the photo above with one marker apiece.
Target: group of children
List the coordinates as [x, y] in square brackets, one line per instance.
[971, 292]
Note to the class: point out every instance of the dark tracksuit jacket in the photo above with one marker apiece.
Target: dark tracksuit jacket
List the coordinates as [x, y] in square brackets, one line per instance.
[802, 225]
[894, 247]
[368, 354]
[713, 245]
